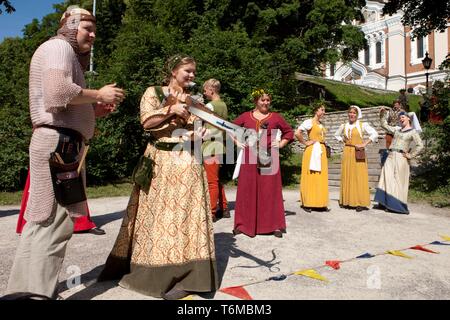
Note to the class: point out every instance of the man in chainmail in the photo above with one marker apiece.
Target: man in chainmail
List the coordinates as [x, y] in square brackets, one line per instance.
[63, 115]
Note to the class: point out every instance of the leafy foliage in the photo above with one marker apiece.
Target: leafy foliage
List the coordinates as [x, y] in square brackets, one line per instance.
[244, 44]
[424, 16]
[8, 7]
[435, 162]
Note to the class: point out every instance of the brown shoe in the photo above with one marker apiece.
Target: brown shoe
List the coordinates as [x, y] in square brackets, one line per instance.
[226, 213]
[97, 231]
[175, 294]
[278, 234]
[214, 218]
[236, 231]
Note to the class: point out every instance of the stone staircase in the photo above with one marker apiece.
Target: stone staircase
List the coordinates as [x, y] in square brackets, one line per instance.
[332, 121]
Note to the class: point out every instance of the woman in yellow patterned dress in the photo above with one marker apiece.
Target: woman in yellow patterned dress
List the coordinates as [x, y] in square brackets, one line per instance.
[314, 177]
[165, 247]
[354, 191]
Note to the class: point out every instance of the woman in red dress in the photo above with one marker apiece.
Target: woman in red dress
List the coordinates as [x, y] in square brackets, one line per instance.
[259, 205]
[81, 225]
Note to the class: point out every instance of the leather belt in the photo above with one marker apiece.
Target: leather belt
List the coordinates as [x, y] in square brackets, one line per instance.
[66, 131]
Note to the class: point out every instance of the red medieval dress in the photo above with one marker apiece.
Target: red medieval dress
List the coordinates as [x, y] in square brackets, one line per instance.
[259, 205]
[81, 224]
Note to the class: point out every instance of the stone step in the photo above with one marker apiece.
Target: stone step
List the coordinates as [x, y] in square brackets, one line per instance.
[372, 171]
[337, 183]
[371, 161]
[374, 178]
[338, 151]
[336, 168]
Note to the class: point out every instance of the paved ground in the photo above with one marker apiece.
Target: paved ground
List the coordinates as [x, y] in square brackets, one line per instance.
[311, 239]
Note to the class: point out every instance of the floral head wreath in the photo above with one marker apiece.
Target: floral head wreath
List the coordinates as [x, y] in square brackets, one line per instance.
[260, 92]
[173, 62]
[171, 65]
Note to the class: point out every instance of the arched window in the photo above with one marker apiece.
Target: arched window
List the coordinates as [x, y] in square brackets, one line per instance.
[378, 52]
[366, 55]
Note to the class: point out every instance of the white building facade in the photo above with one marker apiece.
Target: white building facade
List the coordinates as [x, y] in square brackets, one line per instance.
[392, 60]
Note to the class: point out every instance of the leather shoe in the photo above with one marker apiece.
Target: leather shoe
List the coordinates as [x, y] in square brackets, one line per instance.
[175, 294]
[236, 231]
[359, 209]
[278, 234]
[97, 231]
[307, 209]
[226, 213]
[214, 218]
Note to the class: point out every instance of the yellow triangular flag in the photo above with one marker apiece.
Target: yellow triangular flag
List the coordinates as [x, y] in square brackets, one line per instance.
[311, 274]
[399, 254]
[446, 238]
[189, 297]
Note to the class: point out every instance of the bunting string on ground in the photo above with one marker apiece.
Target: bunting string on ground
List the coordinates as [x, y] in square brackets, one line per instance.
[335, 264]
[311, 273]
[440, 243]
[238, 291]
[365, 256]
[421, 248]
[241, 293]
[398, 253]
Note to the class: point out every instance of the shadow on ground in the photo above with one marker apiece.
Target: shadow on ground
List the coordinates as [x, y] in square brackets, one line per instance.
[226, 248]
[107, 218]
[7, 213]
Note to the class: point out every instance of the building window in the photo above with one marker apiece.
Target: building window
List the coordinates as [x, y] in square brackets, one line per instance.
[367, 55]
[420, 47]
[378, 52]
[332, 69]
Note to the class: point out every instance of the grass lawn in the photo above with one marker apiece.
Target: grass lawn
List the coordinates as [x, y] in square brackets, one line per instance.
[110, 190]
[438, 198]
[346, 94]
[290, 168]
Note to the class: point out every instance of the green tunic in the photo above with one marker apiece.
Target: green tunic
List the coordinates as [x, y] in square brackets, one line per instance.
[215, 145]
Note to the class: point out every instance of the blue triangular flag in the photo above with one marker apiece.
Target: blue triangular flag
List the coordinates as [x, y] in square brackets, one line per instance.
[278, 278]
[366, 255]
[440, 243]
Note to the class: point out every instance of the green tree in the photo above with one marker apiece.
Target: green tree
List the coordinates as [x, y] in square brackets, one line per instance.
[245, 44]
[15, 125]
[8, 7]
[424, 16]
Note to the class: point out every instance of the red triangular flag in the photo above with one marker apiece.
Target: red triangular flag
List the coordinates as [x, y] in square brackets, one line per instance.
[418, 247]
[335, 264]
[238, 291]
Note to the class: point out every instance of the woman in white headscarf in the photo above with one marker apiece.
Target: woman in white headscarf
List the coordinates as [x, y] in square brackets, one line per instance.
[354, 191]
[392, 191]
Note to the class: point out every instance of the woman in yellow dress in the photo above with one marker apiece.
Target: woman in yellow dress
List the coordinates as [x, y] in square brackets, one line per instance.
[314, 177]
[354, 173]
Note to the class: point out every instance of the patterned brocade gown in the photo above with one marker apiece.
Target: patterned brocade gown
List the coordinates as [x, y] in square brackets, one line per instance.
[166, 239]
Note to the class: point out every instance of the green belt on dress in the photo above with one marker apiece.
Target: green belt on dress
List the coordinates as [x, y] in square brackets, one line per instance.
[165, 146]
[169, 146]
